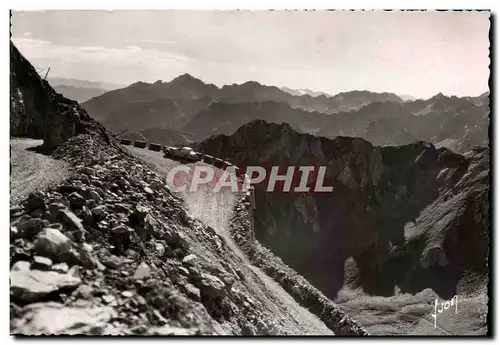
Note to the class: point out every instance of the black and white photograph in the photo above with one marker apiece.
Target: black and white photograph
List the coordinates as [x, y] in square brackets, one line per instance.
[250, 173]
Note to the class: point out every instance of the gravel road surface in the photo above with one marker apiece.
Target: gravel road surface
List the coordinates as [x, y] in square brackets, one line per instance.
[32, 171]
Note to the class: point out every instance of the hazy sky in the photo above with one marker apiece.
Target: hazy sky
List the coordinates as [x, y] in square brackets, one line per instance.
[416, 53]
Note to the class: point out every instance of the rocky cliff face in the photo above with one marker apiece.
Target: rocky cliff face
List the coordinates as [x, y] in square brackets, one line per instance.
[410, 216]
[37, 111]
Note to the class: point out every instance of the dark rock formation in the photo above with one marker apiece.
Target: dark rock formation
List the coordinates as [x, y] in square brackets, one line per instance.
[37, 111]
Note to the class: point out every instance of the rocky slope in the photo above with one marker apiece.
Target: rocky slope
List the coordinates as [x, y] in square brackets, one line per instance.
[409, 217]
[288, 292]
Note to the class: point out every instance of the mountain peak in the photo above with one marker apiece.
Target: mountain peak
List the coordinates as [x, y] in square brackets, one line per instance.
[251, 83]
[439, 95]
[186, 77]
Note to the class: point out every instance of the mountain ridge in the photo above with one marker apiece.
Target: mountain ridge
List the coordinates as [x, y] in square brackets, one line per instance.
[382, 118]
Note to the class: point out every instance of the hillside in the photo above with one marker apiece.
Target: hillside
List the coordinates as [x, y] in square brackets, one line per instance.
[37, 111]
[184, 87]
[159, 113]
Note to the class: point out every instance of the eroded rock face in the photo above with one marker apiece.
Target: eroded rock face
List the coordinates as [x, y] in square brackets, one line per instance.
[388, 206]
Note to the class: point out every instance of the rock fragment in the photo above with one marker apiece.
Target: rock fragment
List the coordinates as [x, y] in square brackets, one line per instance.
[142, 271]
[41, 263]
[32, 285]
[54, 318]
[52, 243]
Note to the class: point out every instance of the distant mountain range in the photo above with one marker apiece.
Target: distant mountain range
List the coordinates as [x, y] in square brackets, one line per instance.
[301, 92]
[84, 83]
[81, 90]
[161, 136]
[197, 110]
[382, 123]
[187, 87]
[407, 98]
